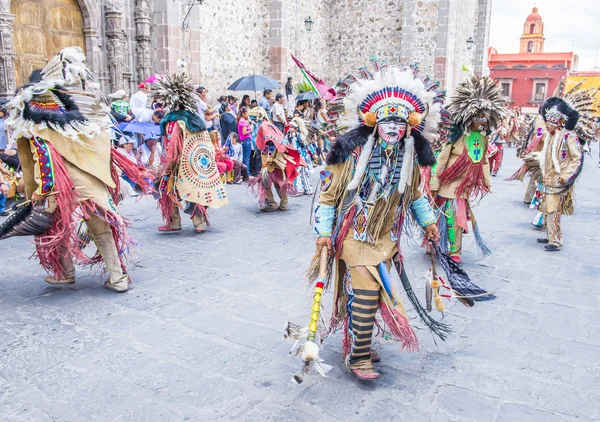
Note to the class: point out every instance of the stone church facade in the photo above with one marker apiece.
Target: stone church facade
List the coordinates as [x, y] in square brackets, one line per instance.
[128, 40]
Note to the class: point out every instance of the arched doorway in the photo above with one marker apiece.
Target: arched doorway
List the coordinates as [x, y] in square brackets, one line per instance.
[41, 29]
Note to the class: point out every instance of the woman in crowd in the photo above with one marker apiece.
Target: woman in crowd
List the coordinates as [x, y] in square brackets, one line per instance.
[228, 121]
[246, 102]
[320, 115]
[245, 133]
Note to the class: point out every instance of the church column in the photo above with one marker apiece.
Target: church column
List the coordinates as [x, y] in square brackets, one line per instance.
[120, 76]
[7, 55]
[143, 49]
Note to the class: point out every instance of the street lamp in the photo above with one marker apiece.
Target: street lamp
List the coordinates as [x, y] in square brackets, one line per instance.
[308, 24]
[470, 43]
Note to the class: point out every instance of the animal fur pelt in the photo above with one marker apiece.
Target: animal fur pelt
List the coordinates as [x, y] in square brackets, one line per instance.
[345, 144]
[193, 122]
[480, 94]
[564, 108]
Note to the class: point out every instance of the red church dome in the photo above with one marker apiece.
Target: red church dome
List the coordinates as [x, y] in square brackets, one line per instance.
[534, 16]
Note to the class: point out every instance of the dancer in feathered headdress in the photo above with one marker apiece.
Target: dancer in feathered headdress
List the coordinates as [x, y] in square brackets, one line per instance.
[190, 180]
[463, 170]
[568, 126]
[71, 171]
[368, 188]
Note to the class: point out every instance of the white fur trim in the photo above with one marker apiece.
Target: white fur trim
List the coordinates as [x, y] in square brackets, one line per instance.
[407, 164]
[311, 351]
[361, 166]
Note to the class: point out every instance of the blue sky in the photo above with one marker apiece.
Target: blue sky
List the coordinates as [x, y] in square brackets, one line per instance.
[569, 24]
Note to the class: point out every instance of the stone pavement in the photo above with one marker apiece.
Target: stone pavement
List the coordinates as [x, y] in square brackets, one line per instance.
[199, 338]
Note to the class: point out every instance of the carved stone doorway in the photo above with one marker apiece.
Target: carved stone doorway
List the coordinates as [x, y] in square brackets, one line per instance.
[41, 29]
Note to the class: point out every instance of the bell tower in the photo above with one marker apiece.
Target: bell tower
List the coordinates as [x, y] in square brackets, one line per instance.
[532, 40]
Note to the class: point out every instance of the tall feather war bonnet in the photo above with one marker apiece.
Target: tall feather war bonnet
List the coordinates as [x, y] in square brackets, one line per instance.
[390, 91]
[479, 95]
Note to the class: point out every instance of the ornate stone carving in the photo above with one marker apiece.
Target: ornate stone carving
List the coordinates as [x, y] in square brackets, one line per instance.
[116, 49]
[143, 34]
[7, 55]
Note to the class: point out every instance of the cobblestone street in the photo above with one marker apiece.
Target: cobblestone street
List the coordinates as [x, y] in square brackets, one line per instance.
[200, 336]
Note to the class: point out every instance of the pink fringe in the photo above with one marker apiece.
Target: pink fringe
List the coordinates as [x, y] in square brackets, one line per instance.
[399, 327]
[339, 241]
[258, 188]
[114, 192]
[175, 144]
[135, 172]
[60, 238]
[165, 204]
[519, 174]
[426, 180]
[472, 176]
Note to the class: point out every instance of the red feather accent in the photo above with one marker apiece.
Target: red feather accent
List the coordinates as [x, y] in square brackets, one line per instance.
[399, 327]
[175, 143]
[60, 238]
[339, 240]
[134, 171]
[471, 173]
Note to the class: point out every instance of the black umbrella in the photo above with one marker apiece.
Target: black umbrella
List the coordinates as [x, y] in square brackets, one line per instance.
[254, 83]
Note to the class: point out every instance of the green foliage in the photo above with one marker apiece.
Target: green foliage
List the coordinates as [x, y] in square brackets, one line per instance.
[303, 87]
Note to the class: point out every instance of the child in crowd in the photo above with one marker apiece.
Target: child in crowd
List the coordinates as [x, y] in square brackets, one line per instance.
[224, 164]
[235, 152]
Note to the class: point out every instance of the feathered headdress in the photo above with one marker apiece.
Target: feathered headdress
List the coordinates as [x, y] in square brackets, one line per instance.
[391, 91]
[582, 102]
[64, 96]
[478, 95]
[175, 91]
[365, 99]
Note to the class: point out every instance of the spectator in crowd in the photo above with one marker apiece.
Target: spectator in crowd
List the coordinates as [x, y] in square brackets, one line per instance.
[126, 146]
[300, 109]
[245, 134]
[224, 163]
[217, 108]
[4, 188]
[233, 104]
[3, 137]
[139, 100]
[253, 104]
[157, 116]
[206, 113]
[257, 116]
[320, 120]
[265, 101]
[235, 152]
[289, 95]
[150, 155]
[228, 121]
[246, 101]
[279, 112]
[119, 108]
